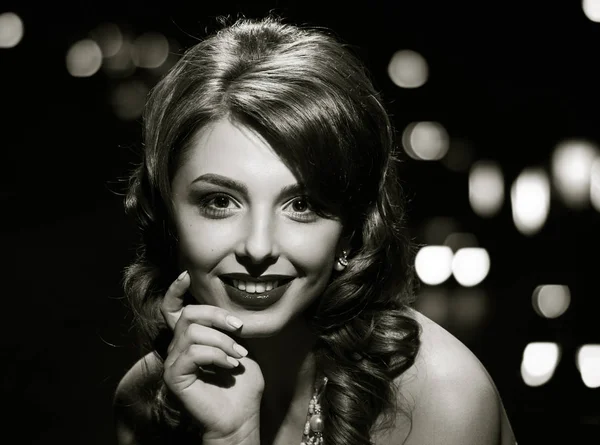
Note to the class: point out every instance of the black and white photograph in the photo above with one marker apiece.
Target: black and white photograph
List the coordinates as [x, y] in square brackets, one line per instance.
[300, 222]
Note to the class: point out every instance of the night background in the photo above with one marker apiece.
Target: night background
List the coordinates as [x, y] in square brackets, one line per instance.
[506, 83]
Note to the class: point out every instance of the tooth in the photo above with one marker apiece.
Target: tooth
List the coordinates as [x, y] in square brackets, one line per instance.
[260, 287]
[275, 284]
[241, 285]
[250, 287]
[236, 283]
[268, 285]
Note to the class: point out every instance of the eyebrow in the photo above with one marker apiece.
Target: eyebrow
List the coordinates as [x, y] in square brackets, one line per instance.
[224, 181]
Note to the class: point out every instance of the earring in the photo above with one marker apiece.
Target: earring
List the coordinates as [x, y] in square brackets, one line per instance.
[341, 262]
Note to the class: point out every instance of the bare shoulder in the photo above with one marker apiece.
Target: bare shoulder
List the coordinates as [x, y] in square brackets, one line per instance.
[447, 396]
[130, 402]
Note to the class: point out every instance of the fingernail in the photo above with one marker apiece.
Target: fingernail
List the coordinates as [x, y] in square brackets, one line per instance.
[240, 350]
[233, 361]
[181, 275]
[234, 321]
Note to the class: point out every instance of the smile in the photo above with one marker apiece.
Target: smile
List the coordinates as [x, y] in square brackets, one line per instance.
[253, 294]
[257, 287]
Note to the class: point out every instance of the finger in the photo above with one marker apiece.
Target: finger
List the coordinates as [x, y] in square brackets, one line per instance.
[206, 315]
[172, 304]
[203, 335]
[197, 356]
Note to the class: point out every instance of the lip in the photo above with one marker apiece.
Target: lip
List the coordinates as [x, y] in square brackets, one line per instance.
[246, 277]
[256, 300]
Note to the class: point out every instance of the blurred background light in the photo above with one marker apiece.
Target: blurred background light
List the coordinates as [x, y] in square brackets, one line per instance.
[128, 99]
[595, 184]
[486, 188]
[84, 58]
[459, 156]
[11, 30]
[459, 240]
[470, 265]
[425, 141]
[437, 229]
[433, 302]
[150, 50]
[109, 38]
[530, 198]
[588, 364]
[539, 362]
[571, 171]
[469, 308]
[551, 300]
[433, 264]
[120, 64]
[408, 69]
[591, 9]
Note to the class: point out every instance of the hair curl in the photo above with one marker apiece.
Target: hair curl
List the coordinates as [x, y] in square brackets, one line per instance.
[311, 99]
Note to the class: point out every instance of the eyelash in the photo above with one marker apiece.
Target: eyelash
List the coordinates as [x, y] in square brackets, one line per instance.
[206, 207]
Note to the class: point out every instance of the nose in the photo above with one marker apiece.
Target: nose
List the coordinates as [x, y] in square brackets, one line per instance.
[258, 246]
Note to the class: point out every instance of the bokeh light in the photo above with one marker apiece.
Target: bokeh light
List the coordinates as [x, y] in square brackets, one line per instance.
[150, 50]
[486, 188]
[459, 156]
[433, 302]
[595, 185]
[128, 99]
[551, 300]
[469, 308]
[408, 69]
[459, 240]
[109, 38]
[588, 364]
[120, 65]
[591, 9]
[84, 58]
[571, 171]
[425, 141]
[437, 229]
[11, 30]
[470, 265]
[530, 198]
[539, 362]
[433, 264]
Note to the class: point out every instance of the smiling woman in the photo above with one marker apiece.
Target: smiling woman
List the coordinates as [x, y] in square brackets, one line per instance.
[269, 177]
[260, 226]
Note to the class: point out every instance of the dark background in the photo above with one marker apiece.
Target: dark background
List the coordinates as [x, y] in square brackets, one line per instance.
[510, 79]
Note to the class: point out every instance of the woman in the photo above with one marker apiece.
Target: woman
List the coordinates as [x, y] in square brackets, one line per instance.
[268, 187]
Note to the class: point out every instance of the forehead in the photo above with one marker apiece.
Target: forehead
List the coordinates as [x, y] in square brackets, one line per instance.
[236, 151]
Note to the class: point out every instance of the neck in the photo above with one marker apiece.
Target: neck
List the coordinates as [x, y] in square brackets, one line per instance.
[288, 365]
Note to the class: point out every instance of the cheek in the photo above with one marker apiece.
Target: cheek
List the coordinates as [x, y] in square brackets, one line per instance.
[201, 246]
[314, 250]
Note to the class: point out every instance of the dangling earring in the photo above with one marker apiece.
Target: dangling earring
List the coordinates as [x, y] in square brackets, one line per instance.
[341, 262]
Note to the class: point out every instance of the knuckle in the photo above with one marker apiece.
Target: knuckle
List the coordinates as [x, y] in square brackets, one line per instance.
[191, 350]
[187, 313]
[191, 332]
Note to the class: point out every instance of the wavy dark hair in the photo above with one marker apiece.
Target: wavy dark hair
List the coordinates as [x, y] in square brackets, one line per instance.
[308, 95]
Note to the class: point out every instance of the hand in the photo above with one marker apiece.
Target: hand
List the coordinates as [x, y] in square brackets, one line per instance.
[207, 370]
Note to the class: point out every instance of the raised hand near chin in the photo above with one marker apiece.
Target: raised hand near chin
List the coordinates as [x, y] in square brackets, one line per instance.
[207, 370]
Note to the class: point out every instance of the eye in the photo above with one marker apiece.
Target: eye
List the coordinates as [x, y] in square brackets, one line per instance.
[302, 210]
[221, 202]
[300, 205]
[217, 206]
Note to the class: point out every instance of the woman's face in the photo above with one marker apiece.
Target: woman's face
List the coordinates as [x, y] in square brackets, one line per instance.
[247, 235]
